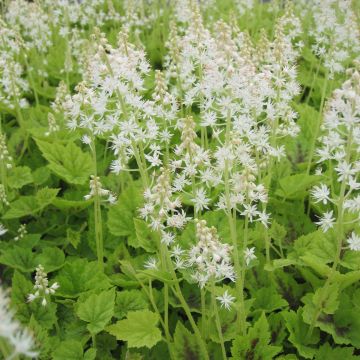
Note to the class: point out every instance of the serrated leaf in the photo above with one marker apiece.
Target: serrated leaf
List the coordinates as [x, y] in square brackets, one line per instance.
[78, 276]
[255, 343]
[326, 298]
[68, 161]
[129, 300]
[147, 239]
[69, 350]
[268, 299]
[52, 258]
[97, 310]
[121, 215]
[139, 329]
[30, 205]
[185, 344]
[295, 186]
[73, 237]
[19, 176]
[327, 352]
[298, 331]
[19, 258]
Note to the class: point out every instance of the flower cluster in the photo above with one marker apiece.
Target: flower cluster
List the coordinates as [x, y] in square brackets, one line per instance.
[335, 33]
[96, 189]
[339, 159]
[41, 287]
[210, 258]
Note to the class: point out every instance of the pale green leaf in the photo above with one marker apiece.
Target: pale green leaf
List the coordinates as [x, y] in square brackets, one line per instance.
[139, 329]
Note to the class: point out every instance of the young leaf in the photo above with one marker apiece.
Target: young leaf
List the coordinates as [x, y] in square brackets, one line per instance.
[139, 329]
[97, 310]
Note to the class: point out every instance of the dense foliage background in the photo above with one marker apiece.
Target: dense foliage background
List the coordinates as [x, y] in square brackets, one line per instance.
[179, 179]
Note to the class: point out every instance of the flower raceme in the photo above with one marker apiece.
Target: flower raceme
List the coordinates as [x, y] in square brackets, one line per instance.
[41, 287]
[339, 159]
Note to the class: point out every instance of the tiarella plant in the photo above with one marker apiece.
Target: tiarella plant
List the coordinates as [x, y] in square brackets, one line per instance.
[179, 179]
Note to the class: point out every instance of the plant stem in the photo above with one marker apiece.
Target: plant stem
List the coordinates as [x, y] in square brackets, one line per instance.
[318, 124]
[217, 320]
[186, 308]
[203, 314]
[97, 216]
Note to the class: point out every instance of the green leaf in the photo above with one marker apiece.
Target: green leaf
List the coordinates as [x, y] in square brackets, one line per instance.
[120, 216]
[147, 239]
[139, 329]
[69, 162]
[30, 205]
[129, 300]
[268, 299]
[298, 331]
[73, 237]
[90, 354]
[69, 350]
[19, 258]
[326, 298]
[52, 258]
[255, 344]
[185, 344]
[296, 186]
[78, 276]
[327, 352]
[46, 196]
[97, 310]
[19, 176]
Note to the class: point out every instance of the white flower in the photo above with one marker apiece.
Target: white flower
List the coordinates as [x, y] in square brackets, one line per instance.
[264, 218]
[150, 263]
[23, 343]
[226, 300]
[354, 242]
[167, 238]
[250, 211]
[200, 200]
[249, 255]
[326, 222]
[3, 230]
[321, 193]
[42, 287]
[86, 139]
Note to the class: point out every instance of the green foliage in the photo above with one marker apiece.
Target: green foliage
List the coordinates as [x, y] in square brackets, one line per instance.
[256, 343]
[78, 276]
[68, 161]
[97, 310]
[185, 345]
[138, 329]
[31, 205]
[298, 299]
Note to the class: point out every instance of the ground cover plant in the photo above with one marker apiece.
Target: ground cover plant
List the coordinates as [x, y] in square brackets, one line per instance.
[180, 179]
